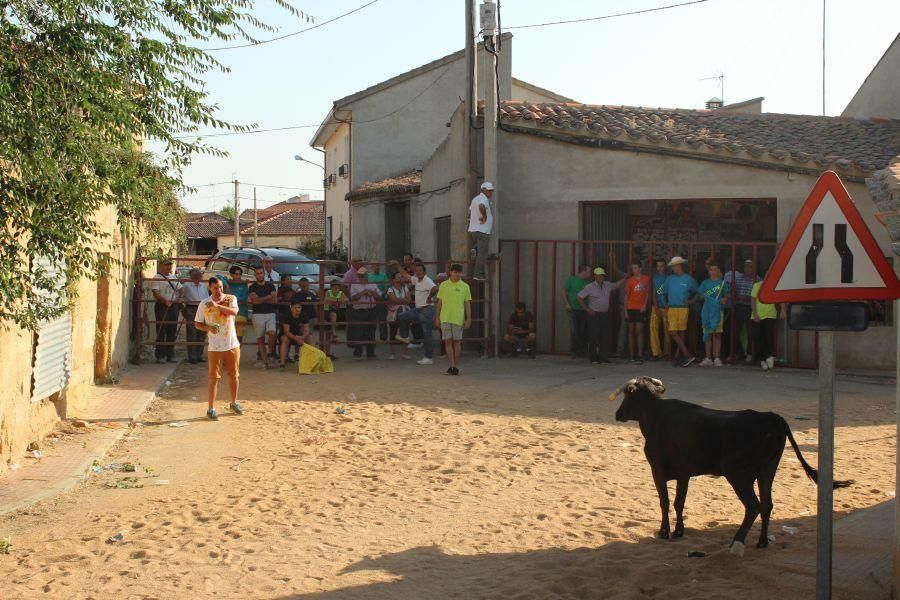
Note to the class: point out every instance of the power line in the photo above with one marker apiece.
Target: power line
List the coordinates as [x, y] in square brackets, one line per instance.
[209, 135]
[287, 35]
[624, 14]
[410, 101]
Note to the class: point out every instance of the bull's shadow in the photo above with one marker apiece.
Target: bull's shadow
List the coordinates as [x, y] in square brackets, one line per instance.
[647, 567]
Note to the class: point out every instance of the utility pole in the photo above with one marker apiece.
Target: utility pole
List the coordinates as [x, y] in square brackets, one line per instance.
[237, 213]
[255, 221]
[471, 74]
[489, 31]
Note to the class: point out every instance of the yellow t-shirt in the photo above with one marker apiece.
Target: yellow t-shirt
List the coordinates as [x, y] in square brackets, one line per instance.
[765, 311]
[453, 297]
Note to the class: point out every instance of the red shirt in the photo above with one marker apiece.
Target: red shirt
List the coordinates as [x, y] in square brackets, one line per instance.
[638, 288]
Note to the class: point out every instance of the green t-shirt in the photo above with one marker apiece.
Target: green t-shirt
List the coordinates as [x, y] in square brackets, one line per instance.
[765, 311]
[453, 297]
[381, 280]
[575, 284]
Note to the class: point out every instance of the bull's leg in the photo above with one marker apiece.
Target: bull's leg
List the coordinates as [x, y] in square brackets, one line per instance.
[660, 480]
[680, 495]
[765, 499]
[744, 490]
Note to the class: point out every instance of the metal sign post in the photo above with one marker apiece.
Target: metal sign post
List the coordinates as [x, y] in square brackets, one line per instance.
[826, 465]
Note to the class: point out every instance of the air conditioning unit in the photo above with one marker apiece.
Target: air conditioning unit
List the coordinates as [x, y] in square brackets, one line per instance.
[326, 181]
[344, 170]
[332, 179]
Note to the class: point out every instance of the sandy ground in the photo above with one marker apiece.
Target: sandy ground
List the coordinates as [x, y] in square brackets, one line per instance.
[511, 481]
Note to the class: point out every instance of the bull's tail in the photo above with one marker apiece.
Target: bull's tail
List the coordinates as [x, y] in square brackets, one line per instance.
[810, 472]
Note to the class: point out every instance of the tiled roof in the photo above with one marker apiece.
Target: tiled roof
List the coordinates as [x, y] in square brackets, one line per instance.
[796, 140]
[400, 185]
[295, 221]
[206, 225]
[265, 213]
[884, 188]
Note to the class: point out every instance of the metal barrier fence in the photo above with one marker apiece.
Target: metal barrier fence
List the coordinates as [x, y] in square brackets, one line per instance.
[534, 271]
[481, 322]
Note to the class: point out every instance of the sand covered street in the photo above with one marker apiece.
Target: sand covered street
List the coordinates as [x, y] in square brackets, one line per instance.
[511, 481]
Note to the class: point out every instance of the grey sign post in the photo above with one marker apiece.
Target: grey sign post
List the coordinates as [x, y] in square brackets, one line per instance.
[826, 465]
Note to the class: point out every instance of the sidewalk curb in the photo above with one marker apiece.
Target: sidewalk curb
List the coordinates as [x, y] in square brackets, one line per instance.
[77, 471]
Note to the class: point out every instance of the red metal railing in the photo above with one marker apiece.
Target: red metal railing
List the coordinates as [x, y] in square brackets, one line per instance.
[481, 302]
[531, 268]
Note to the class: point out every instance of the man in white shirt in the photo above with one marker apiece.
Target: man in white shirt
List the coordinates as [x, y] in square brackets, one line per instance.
[215, 316]
[481, 222]
[425, 290]
[194, 292]
[167, 294]
[270, 273]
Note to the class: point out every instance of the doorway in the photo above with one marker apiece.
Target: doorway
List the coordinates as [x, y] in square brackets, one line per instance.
[442, 241]
[396, 229]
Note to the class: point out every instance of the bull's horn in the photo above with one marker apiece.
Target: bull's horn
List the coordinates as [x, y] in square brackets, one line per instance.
[615, 394]
[656, 381]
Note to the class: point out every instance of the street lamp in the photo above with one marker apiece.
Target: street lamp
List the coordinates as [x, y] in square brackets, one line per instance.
[300, 158]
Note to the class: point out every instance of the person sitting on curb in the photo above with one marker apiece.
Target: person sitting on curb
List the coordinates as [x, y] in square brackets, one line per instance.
[520, 335]
[294, 330]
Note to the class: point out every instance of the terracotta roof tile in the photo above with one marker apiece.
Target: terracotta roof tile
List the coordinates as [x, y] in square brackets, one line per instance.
[400, 185]
[294, 221]
[827, 142]
[206, 225]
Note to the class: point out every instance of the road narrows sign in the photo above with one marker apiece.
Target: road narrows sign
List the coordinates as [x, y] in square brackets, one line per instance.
[829, 253]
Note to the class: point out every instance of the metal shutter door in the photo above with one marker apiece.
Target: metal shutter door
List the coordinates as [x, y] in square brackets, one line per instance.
[51, 357]
[53, 350]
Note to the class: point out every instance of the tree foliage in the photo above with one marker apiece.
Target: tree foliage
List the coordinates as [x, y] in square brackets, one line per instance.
[227, 211]
[82, 82]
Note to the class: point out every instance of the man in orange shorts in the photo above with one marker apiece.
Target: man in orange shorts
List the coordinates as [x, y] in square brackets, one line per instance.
[215, 315]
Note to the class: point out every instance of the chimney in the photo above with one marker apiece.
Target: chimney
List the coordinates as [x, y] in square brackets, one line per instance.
[714, 103]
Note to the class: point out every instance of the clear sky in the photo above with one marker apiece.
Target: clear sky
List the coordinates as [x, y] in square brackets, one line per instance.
[770, 48]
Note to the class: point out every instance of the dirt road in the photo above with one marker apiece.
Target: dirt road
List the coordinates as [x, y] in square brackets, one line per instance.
[511, 481]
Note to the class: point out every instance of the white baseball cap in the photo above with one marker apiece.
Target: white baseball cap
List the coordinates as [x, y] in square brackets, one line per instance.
[487, 185]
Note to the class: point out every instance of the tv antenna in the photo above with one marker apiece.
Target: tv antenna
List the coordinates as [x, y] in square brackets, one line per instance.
[721, 78]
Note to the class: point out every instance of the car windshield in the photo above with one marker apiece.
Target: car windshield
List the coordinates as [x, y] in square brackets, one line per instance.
[295, 269]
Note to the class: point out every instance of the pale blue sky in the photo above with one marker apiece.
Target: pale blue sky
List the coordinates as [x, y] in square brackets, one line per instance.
[768, 48]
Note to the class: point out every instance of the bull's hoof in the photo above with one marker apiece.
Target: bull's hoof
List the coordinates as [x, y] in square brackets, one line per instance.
[663, 534]
[679, 533]
[737, 548]
[762, 544]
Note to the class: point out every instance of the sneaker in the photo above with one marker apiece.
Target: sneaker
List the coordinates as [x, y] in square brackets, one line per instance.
[412, 346]
[595, 362]
[718, 362]
[633, 359]
[281, 367]
[771, 362]
[360, 357]
[424, 361]
[405, 356]
[655, 358]
[160, 361]
[764, 365]
[449, 370]
[706, 362]
[453, 371]
[200, 359]
[391, 357]
[236, 408]
[400, 338]
[688, 361]
[258, 364]
[212, 415]
[749, 358]
[640, 361]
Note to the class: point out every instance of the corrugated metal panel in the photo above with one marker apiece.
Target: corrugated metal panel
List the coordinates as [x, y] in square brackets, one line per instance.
[52, 357]
[53, 350]
[607, 222]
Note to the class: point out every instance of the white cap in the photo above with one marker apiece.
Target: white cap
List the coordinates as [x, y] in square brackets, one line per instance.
[487, 185]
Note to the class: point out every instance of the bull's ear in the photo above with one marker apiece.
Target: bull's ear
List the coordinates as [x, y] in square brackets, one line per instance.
[631, 388]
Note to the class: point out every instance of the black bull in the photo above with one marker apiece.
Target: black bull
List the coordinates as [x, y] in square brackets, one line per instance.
[683, 440]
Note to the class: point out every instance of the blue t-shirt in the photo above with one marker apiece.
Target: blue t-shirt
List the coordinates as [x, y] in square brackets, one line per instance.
[241, 291]
[659, 288]
[679, 289]
[712, 291]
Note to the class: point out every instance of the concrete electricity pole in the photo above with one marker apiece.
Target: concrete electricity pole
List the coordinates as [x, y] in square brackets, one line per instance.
[489, 30]
[237, 213]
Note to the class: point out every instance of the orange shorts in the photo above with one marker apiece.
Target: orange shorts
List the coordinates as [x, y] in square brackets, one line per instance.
[230, 358]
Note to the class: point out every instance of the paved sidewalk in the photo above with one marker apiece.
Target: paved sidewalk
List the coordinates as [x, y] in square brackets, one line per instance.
[110, 410]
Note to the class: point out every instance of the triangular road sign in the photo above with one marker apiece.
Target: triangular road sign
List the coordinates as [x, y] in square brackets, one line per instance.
[829, 253]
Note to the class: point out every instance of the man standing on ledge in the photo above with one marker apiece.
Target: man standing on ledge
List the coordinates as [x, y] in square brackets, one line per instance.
[215, 315]
[481, 223]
